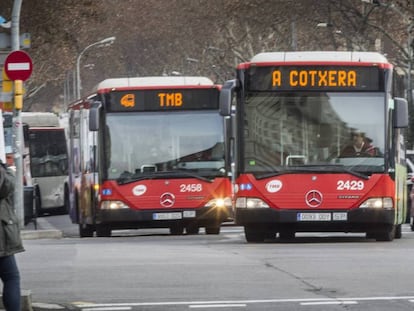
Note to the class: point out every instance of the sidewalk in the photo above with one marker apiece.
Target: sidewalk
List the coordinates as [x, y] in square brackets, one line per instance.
[42, 230]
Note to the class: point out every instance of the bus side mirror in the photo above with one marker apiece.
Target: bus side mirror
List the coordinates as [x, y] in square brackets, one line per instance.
[226, 97]
[94, 116]
[400, 112]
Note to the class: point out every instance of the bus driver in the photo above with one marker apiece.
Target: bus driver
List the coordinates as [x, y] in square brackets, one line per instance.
[360, 146]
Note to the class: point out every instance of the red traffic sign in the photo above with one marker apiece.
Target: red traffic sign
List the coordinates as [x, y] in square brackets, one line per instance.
[18, 66]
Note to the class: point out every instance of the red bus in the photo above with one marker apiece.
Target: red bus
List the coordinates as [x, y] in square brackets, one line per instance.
[294, 115]
[148, 152]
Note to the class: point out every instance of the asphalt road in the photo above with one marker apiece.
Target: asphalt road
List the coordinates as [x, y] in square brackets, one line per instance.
[152, 270]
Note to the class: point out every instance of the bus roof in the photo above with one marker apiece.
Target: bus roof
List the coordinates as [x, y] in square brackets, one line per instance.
[153, 81]
[39, 119]
[320, 56]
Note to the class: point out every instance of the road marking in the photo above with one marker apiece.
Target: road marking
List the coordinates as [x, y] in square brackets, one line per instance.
[329, 303]
[107, 309]
[349, 300]
[229, 305]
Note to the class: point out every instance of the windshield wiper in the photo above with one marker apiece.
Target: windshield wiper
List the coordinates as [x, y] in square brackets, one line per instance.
[127, 177]
[325, 169]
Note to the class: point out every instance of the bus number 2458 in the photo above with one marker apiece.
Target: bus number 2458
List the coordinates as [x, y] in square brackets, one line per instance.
[191, 187]
[350, 185]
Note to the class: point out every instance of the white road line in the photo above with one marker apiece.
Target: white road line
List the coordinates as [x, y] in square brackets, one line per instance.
[329, 303]
[229, 305]
[107, 309]
[251, 301]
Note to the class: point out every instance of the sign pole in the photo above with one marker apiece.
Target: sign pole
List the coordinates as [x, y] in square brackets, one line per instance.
[18, 154]
[18, 128]
[18, 67]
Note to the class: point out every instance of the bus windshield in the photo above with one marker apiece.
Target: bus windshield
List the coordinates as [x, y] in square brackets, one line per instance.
[150, 144]
[48, 152]
[316, 131]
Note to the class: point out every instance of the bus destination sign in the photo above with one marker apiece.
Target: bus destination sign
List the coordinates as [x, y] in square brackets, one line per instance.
[166, 99]
[314, 78]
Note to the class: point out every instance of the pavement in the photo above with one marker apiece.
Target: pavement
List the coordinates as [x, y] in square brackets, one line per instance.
[37, 229]
[40, 228]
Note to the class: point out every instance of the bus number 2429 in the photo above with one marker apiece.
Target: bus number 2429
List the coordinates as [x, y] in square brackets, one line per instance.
[350, 185]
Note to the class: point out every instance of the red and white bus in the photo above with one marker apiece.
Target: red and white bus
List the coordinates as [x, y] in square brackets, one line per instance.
[294, 114]
[148, 152]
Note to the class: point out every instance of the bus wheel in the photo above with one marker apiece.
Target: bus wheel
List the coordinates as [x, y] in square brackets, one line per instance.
[213, 230]
[66, 200]
[103, 231]
[254, 234]
[176, 230]
[192, 229]
[398, 231]
[386, 235]
[85, 231]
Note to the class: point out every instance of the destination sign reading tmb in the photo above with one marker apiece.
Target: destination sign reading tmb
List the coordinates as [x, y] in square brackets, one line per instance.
[166, 99]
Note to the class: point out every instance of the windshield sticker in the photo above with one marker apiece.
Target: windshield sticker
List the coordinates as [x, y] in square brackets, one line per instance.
[139, 190]
[274, 186]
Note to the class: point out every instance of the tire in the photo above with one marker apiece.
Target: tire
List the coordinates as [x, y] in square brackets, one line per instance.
[85, 231]
[386, 235]
[398, 232]
[66, 200]
[213, 230]
[254, 235]
[176, 230]
[103, 231]
[192, 229]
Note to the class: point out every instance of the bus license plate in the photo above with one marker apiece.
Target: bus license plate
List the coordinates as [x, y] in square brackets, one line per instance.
[314, 216]
[166, 216]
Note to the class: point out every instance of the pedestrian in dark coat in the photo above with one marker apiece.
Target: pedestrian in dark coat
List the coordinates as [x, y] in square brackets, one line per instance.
[10, 241]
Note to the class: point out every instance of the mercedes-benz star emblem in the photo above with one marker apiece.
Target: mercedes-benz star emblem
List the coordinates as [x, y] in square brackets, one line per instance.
[167, 199]
[313, 198]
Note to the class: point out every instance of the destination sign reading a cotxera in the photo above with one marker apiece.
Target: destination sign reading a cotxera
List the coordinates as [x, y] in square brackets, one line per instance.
[166, 99]
[314, 78]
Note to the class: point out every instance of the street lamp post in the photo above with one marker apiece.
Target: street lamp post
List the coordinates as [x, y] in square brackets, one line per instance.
[108, 41]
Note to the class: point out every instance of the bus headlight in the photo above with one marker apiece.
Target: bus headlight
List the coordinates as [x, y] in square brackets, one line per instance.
[219, 203]
[111, 205]
[251, 203]
[385, 203]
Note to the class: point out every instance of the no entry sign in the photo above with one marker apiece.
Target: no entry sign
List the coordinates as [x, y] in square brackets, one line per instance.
[18, 66]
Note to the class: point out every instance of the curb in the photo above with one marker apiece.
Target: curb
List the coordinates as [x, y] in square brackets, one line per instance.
[43, 230]
[41, 234]
[26, 300]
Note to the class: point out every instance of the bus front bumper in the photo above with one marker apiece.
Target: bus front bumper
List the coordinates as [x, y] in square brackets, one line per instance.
[135, 219]
[356, 220]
